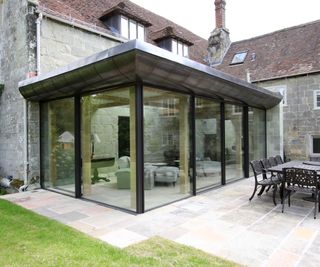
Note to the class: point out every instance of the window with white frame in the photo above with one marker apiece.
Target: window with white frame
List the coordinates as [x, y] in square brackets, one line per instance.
[169, 138]
[282, 89]
[169, 107]
[316, 99]
[237, 110]
[179, 48]
[131, 29]
[315, 145]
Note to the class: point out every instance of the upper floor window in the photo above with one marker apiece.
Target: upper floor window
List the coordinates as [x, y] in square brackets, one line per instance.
[239, 57]
[131, 29]
[179, 48]
[316, 99]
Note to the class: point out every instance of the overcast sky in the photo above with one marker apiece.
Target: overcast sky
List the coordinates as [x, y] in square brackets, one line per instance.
[244, 18]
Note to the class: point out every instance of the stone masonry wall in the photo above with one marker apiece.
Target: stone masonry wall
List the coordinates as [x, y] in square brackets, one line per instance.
[14, 65]
[300, 119]
[62, 44]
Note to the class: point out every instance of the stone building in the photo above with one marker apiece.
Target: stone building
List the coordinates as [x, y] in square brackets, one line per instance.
[110, 118]
[286, 61]
[37, 37]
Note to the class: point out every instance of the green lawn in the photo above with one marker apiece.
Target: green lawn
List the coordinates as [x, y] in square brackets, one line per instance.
[28, 239]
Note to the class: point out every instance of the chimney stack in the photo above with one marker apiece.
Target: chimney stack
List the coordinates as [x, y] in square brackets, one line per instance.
[220, 14]
[219, 40]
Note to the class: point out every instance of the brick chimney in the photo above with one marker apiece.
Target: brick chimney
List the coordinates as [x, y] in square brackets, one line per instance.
[220, 14]
[219, 40]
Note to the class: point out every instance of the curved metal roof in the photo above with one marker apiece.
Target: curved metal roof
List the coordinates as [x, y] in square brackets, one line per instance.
[139, 61]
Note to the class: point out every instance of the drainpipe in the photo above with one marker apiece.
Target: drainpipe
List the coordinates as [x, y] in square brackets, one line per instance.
[26, 150]
[25, 103]
[38, 23]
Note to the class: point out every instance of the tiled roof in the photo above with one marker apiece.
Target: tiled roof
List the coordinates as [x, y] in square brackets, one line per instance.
[91, 11]
[288, 52]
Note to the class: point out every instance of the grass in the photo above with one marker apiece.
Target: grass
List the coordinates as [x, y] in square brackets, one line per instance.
[28, 239]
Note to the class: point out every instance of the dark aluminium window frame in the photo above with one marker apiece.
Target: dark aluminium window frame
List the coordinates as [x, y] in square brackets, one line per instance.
[139, 86]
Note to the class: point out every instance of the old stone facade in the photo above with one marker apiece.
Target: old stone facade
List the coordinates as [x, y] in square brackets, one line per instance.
[301, 120]
[60, 43]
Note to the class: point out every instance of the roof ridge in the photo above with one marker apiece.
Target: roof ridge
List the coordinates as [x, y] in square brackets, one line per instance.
[278, 31]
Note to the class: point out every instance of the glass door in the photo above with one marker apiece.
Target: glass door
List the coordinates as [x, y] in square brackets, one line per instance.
[108, 145]
[208, 143]
[234, 142]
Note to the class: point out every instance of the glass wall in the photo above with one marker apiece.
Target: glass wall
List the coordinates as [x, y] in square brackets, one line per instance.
[257, 135]
[233, 142]
[108, 143]
[208, 143]
[57, 145]
[166, 147]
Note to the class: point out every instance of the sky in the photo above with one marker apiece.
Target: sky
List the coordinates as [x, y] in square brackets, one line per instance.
[244, 18]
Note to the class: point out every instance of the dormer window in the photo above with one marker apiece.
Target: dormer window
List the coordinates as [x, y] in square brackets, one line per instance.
[175, 46]
[179, 48]
[123, 22]
[131, 29]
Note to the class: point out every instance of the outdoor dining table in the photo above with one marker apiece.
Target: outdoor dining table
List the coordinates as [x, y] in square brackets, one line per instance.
[307, 165]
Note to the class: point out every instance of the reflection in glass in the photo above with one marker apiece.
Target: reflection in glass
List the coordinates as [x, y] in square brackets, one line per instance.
[108, 147]
[166, 147]
[57, 145]
[208, 145]
[233, 142]
[257, 135]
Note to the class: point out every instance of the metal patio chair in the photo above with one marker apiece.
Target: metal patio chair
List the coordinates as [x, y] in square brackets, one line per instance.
[279, 159]
[303, 181]
[273, 162]
[261, 179]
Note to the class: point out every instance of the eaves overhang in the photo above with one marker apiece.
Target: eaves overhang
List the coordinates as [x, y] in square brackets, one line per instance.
[139, 61]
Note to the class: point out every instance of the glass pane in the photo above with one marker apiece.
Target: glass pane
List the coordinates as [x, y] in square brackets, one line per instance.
[257, 135]
[166, 147]
[180, 49]
[140, 32]
[124, 27]
[316, 145]
[174, 47]
[318, 99]
[208, 143]
[239, 58]
[233, 142]
[185, 51]
[108, 148]
[57, 145]
[133, 30]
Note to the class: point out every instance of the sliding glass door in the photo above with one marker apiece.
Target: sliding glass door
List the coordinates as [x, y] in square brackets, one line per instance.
[208, 143]
[57, 145]
[108, 145]
[234, 142]
[166, 147]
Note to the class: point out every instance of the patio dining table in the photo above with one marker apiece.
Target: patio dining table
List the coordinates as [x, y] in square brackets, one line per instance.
[307, 165]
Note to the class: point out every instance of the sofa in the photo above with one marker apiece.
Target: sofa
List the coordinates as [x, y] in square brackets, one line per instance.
[123, 174]
[166, 174]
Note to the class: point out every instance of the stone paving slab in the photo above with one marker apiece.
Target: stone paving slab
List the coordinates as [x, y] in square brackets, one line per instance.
[222, 222]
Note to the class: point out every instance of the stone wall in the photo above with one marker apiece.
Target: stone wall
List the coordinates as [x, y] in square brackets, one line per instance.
[300, 120]
[14, 65]
[62, 44]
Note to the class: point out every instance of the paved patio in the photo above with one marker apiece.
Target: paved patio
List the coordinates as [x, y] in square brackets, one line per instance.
[221, 222]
